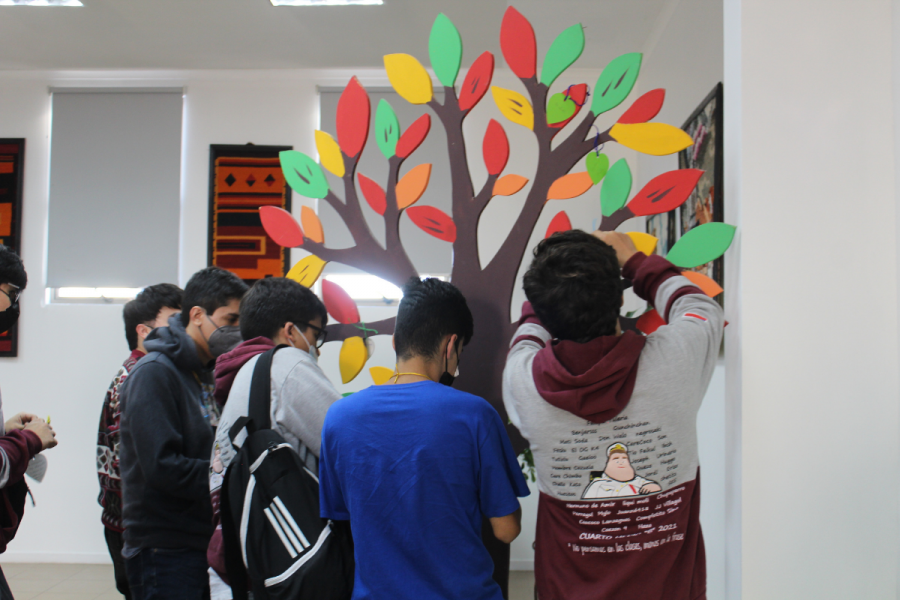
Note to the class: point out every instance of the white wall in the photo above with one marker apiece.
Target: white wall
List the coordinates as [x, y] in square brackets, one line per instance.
[812, 164]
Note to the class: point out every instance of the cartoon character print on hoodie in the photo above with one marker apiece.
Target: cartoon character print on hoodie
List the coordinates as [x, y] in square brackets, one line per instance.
[612, 426]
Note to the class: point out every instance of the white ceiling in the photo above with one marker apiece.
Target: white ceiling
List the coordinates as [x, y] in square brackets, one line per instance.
[252, 34]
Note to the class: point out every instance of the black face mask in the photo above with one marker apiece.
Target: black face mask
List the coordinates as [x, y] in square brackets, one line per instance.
[446, 378]
[9, 317]
[224, 339]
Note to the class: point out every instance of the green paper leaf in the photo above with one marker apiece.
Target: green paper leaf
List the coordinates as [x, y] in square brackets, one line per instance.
[564, 50]
[616, 188]
[445, 50]
[387, 128]
[701, 245]
[303, 174]
[560, 108]
[615, 82]
[597, 166]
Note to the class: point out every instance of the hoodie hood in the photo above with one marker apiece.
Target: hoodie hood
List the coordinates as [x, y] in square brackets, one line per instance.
[228, 365]
[593, 380]
[174, 342]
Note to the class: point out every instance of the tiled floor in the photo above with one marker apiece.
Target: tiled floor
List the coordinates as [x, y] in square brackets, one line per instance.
[95, 582]
[61, 582]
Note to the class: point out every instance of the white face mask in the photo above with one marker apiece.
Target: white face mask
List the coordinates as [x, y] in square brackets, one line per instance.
[313, 351]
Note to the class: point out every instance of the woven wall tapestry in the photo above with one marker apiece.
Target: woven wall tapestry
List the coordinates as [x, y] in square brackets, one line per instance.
[242, 179]
[12, 167]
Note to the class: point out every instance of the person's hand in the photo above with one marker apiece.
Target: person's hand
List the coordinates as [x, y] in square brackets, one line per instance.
[620, 242]
[18, 422]
[43, 431]
[650, 488]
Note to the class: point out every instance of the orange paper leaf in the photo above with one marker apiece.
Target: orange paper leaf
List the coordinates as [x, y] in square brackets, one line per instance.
[509, 185]
[707, 285]
[570, 186]
[412, 185]
[312, 225]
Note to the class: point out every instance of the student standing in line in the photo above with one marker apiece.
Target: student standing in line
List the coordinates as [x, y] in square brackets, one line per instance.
[150, 309]
[612, 420]
[24, 435]
[167, 430]
[414, 464]
[276, 311]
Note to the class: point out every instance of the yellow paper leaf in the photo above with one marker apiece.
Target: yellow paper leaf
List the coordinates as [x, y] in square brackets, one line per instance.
[380, 375]
[644, 242]
[658, 139]
[514, 106]
[329, 153]
[311, 224]
[306, 272]
[412, 185]
[409, 78]
[509, 185]
[352, 359]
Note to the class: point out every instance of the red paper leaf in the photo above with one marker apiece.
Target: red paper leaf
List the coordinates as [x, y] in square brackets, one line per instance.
[518, 44]
[433, 221]
[353, 112]
[413, 137]
[477, 81]
[495, 148]
[665, 192]
[644, 108]
[578, 94]
[373, 194]
[281, 226]
[339, 303]
[560, 222]
[649, 322]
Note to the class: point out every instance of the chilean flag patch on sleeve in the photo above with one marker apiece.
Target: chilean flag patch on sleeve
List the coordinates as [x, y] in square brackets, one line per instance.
[695, 316]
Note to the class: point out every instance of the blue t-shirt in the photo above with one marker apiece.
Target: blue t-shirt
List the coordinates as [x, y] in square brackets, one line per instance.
[413, 467]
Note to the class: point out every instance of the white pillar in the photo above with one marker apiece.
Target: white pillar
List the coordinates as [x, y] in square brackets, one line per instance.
[812, 349]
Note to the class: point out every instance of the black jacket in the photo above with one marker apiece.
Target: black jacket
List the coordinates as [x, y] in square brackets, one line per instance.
[166, 441]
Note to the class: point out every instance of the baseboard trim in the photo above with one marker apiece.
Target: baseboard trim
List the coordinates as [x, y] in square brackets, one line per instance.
[82, 558]
[522, 564]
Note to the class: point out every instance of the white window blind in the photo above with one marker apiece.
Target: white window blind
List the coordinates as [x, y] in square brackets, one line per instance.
[115, 179]
[428, 254]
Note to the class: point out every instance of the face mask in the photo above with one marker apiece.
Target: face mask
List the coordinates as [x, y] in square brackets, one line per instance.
[9, 317]
[313, 351]
[446, 378]
[223, 339]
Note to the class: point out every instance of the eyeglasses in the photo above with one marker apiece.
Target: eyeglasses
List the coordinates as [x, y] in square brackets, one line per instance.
[321, 334]
[12, 294]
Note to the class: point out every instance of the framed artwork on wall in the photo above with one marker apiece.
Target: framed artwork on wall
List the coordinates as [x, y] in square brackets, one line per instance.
[663, 227]
[12, 170]
[705, 204]
[243, 178]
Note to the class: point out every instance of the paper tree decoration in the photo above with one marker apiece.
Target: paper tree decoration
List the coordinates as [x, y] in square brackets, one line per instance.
[558, 176]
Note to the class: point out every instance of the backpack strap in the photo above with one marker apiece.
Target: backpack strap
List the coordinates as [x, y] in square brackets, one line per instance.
[260, 404]
[234, 562]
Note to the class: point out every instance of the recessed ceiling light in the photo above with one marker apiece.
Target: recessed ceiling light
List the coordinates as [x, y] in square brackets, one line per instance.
[40, 3]
[324, 2]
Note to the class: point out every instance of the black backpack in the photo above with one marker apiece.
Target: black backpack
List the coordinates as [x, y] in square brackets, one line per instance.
[276, 544]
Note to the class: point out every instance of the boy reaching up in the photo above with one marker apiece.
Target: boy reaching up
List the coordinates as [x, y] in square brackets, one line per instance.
[611, 418]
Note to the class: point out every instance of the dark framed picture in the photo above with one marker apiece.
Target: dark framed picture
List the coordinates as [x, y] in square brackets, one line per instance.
[663, 227]
[12, 171]
[241, 180]
[705, 204]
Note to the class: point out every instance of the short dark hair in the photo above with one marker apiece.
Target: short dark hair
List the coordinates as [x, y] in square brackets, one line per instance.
[574, 285]
[146, 306]
[210, 289]
[274, 301]
[430, 309]
[11, 268]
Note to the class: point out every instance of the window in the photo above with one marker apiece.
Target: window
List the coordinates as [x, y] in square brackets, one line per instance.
[115, 188]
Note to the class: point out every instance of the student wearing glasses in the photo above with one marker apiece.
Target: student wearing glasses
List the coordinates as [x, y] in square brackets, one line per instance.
[276, 311]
